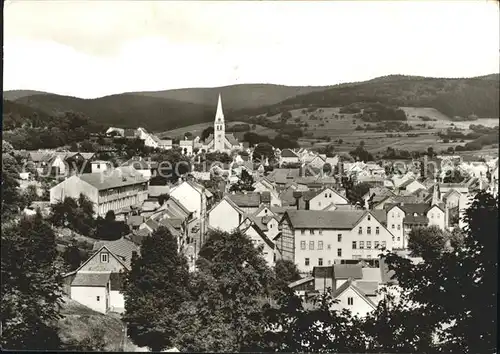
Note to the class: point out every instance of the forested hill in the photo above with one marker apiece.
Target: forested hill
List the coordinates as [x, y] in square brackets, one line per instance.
[453, 97]
[166, 110]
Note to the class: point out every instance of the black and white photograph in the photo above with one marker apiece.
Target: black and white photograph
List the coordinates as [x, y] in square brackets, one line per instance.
[250, 176]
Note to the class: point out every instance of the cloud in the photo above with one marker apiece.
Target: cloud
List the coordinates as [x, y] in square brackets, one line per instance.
[92, 48]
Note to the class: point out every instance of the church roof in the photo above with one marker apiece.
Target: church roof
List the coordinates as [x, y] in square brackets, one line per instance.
[219, 114]
[232, 139]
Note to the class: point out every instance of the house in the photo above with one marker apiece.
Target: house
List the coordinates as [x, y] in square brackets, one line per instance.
[315, 238]
[98, 166]
[225, 215]
[97, 282]
[254, 231]
[196, 199]
[451, 199]
[140, 165]
[289, 157]
[164, 144]
[326, 199]
[220, 141]
[302, 287]
[115, 131]
[249, 202]
[264, 185]
[121, 187]
[402, 217]
[186, 147]
[411, 185]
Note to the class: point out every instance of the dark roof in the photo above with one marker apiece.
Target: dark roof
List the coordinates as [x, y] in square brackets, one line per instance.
[246, 200]
[301, 282]
[345, 271]
[323, 272]
[129, 133]
[315, 219]
[265, 197]
[411, 219]
[380, 215]
[346, 285]
[261, 234]
[410, 208]
[288, 153]
[122, 248]
[231, 139]
[90, 279]
[367, 287]
[135, 220]
[119, 177]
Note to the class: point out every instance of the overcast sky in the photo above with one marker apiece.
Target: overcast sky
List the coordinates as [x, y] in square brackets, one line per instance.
[95, 48]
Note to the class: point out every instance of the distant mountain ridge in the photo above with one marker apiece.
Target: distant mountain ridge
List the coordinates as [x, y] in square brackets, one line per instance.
[170, 109]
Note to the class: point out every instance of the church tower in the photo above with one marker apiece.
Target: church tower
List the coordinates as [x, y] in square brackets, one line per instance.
[219, 128]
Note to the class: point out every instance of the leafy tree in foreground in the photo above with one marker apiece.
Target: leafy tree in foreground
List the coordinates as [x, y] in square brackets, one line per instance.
[427, 242]
[154, 289]
[286, 272]
[31, 286]
[457, 291]
[227, 294]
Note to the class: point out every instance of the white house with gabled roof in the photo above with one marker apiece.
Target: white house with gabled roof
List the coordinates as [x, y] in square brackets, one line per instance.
[326, 199]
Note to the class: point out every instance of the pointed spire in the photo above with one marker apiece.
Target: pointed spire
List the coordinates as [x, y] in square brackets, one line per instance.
[435, 191]
[219, 114]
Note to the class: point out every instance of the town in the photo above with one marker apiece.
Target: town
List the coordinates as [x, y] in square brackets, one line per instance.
[250, 176]
[332, 220]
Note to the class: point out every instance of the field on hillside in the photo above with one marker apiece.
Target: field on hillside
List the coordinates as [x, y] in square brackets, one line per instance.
[328, 122]
[197, 129]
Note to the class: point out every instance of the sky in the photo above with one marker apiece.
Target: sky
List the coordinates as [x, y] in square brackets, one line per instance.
[95, 48]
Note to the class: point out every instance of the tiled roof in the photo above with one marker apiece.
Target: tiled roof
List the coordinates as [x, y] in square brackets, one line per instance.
[368, 287]
[179, 204]
[345, 271]
[411, 219]
[119, 177]
[156, 191]
[231, 139]
[300, 282]
[122, 248]
[288, 153]
[315, 219]
[380, 215]
[135, 220]
[411, 208]
[91, 279]
[246, 200]
[261, 234]
[323, 272]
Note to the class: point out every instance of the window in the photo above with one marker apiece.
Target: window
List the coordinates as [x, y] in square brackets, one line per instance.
[339, 252]
[399, 227]
[384, 244]
[320, 245]
[326, 195]
[369, 244]
[432, 215]
[302, 245]
[302, 232]
[369, 217]
[393, 238]
[377, 230]
[369, 230]
[319, 204]
[311, 245]
[320, 232]
[330, 195]
[329, 246]
[399, 238]
[320, 261]
[339, 237]
[398, 215]
[353, 245]
[393, 226]
[306, 261]
[360, 230]
[98, 298]
[392, 215]
[438, 215]
[104, 258]
[350, 301]
[376, 244]
[311, 232]
[361, 245]
[329, 262]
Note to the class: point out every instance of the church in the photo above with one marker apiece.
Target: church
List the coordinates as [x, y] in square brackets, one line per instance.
[220, 141]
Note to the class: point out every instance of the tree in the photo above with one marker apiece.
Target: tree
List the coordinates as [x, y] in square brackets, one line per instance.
[227, 293]
[76, 214]
[285, 272]
[355, 192]
[245, 183]
[206, 132]
[426, 242]
[263, 151]
[73, 257]
[430, 151]
[154, 289]
[31, 286]
[30, 194]
[458, 289]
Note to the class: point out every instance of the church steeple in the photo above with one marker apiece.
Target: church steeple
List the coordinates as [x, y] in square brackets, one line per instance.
[219, 114]
[219, 127]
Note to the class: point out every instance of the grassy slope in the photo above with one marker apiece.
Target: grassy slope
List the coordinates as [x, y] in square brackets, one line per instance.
[196, 130]
[12, 95]
[78, 321]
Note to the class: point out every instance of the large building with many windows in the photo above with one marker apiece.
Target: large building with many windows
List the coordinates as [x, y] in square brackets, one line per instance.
[117, 190]
[312, 238]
